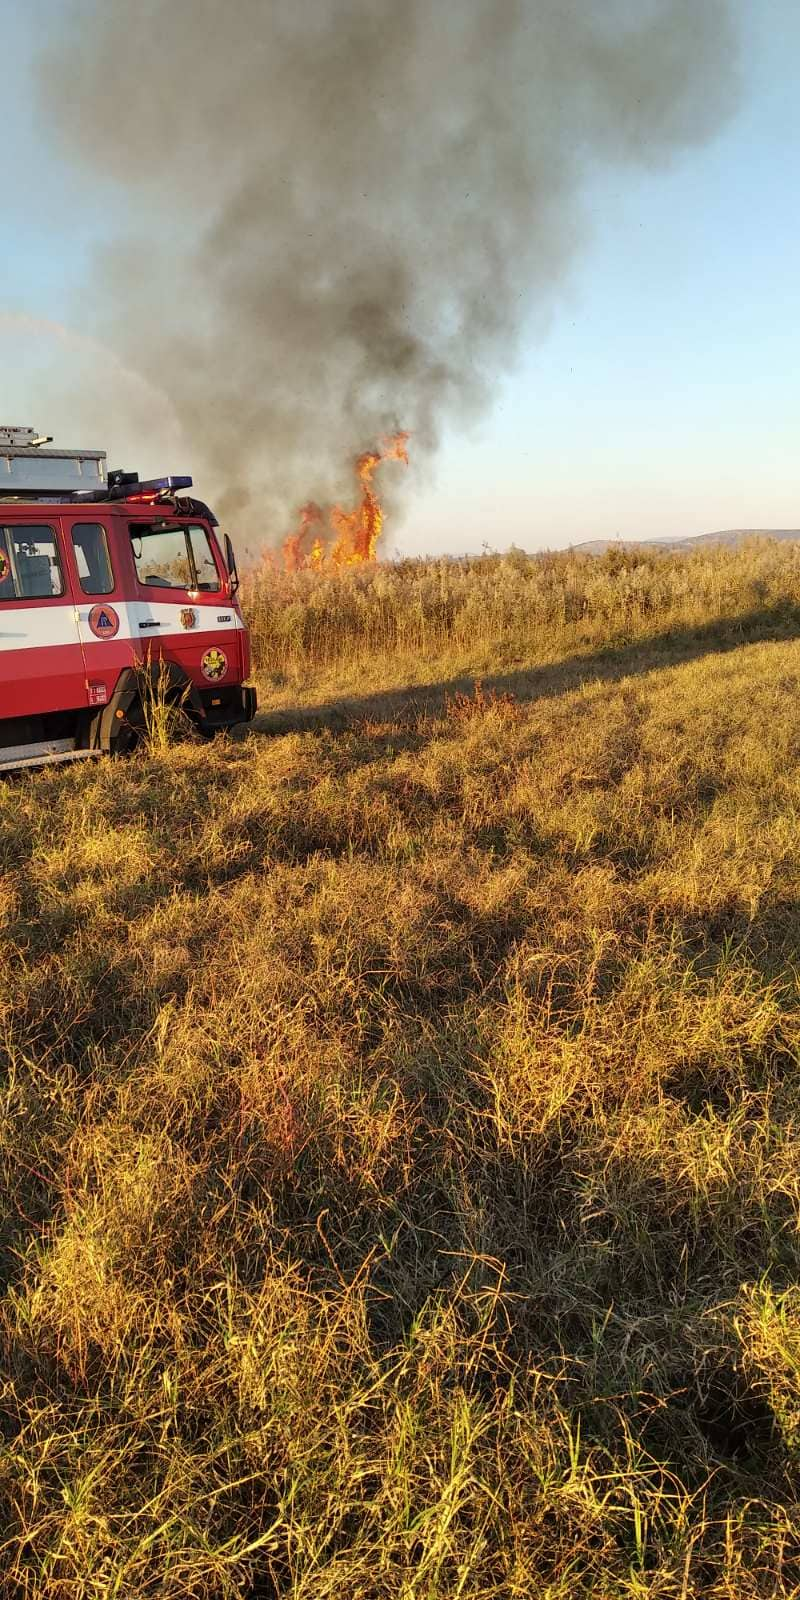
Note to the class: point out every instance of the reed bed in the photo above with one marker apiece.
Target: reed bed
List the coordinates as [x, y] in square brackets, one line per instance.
[438, 607]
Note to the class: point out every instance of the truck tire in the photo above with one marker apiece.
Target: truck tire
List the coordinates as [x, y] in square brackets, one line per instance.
[123, 725]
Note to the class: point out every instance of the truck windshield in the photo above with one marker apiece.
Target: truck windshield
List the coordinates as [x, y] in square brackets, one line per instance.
[174, 557]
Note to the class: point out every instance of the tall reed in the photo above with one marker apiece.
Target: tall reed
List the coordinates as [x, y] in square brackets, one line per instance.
[411, 607]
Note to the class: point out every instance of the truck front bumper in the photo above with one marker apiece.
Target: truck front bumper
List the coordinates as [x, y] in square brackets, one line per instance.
[224, 708]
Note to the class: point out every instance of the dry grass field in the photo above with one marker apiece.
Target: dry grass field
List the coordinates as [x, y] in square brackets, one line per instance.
[400, 1119]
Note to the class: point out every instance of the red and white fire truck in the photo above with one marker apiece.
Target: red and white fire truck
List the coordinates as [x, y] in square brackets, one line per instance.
[109, 588]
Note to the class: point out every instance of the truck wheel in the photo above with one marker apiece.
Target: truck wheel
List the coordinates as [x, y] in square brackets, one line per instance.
[127, 732]
[123, 724]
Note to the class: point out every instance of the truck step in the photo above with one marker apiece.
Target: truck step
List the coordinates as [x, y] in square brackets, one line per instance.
[13, 757]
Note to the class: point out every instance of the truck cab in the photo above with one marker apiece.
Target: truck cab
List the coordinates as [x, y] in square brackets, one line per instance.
[108, 586]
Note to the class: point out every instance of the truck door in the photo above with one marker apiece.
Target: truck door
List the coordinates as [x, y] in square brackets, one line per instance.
[184, 608]
[41, 663]
[100, 607]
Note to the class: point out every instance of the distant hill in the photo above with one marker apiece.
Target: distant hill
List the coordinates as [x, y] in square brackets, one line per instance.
[729, 536]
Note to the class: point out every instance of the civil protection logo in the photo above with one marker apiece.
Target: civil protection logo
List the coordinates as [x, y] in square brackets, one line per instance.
[104, 622]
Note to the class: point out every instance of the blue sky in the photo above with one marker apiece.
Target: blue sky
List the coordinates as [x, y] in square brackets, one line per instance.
[655, 394]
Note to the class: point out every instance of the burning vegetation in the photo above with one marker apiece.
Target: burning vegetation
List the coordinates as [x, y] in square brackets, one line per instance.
[339, 538]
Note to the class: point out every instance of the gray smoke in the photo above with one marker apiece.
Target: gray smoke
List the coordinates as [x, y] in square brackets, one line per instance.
[336, 217]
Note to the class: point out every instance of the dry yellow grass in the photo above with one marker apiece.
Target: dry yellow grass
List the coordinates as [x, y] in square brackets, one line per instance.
[400, 1129]
[491, 607]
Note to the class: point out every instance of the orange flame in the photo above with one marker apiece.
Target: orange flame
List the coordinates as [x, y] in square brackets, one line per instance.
[295, 556]
[356, 533]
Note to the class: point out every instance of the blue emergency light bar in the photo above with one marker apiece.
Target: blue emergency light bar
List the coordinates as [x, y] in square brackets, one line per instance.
[128, 486]
[160, 486]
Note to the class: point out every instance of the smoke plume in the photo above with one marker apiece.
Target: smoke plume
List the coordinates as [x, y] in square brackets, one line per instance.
[332, 219]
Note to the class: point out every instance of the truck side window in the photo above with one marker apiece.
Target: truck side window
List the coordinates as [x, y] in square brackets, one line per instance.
[161, 557]
[30, 568]
[92, 558]
[205, 565]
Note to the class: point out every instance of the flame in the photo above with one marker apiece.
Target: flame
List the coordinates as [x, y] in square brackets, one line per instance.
[295, 556]
[355, 533]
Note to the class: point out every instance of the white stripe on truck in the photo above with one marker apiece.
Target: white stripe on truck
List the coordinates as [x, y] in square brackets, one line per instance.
[37, 627]
[132, 614]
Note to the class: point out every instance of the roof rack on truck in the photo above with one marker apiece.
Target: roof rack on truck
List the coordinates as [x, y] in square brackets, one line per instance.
[28, 469]
[28, 472]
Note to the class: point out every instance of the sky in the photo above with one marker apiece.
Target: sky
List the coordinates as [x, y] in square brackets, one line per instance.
[656, 390]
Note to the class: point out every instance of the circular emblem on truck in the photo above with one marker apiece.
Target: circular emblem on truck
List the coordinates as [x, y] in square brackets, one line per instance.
[104, 622]
[214, 664]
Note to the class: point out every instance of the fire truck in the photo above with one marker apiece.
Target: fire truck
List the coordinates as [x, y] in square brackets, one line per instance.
[111, 590]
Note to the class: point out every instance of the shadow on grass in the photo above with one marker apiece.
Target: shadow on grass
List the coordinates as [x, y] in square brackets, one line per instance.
[629, 658]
